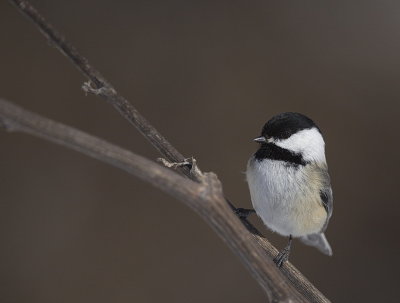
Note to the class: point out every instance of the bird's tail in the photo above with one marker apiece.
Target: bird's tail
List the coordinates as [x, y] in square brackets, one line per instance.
[319, 241]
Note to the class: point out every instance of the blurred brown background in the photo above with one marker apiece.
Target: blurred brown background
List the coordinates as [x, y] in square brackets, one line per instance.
[207, 74]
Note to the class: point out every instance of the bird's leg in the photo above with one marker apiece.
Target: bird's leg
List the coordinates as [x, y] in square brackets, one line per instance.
[243, 213]
[283, 254]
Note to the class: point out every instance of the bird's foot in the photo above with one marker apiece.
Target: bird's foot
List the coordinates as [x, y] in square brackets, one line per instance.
[243, 213]
[283, 256]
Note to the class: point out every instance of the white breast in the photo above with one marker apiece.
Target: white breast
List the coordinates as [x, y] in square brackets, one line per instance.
[285, 197]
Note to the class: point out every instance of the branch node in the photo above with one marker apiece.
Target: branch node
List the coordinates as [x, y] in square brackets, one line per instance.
[104, 90]
[188, 162]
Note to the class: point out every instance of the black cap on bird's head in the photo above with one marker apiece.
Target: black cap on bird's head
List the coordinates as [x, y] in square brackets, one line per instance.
[284, 125]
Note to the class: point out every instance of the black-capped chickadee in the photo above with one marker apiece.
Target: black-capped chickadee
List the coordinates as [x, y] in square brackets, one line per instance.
[289, 182]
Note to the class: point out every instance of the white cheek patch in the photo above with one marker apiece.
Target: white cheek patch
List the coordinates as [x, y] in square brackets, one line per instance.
[307, 142]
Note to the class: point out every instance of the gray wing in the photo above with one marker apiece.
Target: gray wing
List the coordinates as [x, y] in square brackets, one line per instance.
[319, 240]
[326, 196]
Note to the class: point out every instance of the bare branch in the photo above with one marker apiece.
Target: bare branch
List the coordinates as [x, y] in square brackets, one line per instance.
[206, 198]
[103, 88]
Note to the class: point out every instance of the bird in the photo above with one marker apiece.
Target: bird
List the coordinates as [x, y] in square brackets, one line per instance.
[289, 183]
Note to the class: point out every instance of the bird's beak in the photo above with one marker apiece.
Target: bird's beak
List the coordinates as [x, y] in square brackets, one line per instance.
[260, 139]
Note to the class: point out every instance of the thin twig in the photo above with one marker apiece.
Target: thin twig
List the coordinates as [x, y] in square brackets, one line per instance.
[101, 86]
[206, 198]
[127, 110]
